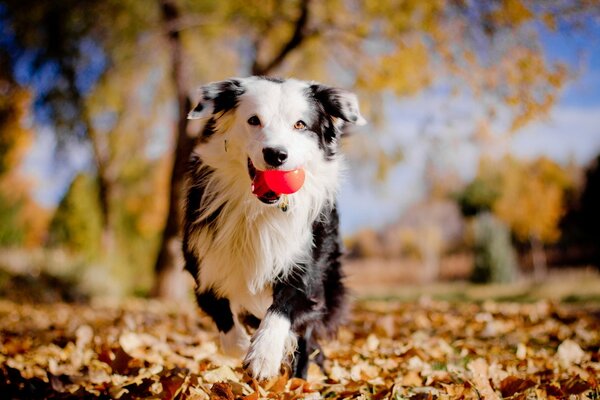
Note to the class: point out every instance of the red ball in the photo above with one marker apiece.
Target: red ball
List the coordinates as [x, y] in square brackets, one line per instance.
[284, 182]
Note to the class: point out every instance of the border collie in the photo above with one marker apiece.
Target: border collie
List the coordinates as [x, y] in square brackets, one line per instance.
[267, 261]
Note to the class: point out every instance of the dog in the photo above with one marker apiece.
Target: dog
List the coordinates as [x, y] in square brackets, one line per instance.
[268, 261]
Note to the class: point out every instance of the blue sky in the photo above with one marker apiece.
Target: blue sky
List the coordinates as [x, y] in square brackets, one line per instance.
[571, 131]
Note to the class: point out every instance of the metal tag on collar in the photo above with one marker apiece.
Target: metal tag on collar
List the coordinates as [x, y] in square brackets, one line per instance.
[284, 203]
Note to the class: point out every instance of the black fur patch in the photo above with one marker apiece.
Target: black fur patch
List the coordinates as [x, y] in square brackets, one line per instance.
[217, 308]
[198, 108]
[249, 320]
[322, 124]
[331, 99]
[225, 95]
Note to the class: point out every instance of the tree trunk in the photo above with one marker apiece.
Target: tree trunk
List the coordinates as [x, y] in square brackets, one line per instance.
[170, 280]
[538, 257]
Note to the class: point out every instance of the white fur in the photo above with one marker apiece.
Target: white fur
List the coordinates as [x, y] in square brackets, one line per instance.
[270, 343]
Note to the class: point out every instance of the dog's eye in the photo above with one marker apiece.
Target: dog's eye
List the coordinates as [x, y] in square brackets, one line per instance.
[254, 121]
[300, 125]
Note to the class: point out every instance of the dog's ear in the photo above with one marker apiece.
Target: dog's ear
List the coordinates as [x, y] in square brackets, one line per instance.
[217, 97]
[338, 103]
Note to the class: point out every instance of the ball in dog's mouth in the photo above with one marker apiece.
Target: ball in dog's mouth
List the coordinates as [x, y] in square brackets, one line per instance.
[269, 185]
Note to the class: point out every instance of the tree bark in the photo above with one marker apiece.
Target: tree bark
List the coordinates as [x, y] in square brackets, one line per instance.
[170, 279]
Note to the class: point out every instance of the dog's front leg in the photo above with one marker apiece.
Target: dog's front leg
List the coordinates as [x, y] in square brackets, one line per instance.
[275, 338]
[272, 340]
[234, 338]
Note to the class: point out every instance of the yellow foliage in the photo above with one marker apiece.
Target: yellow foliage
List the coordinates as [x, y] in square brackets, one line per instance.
[405, 71]
[532, 198]
[512, 13]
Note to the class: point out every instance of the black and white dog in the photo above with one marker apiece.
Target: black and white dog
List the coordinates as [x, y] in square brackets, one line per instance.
[255, 262]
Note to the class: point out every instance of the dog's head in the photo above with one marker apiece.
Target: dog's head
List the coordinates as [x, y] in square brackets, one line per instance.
[268, 123]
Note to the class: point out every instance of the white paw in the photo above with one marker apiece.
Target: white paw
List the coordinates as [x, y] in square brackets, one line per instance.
[236, 342]
[269, 344]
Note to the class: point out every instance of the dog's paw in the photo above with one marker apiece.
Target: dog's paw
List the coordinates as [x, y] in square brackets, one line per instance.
[263, 363]
[236, 342]
[269, 344]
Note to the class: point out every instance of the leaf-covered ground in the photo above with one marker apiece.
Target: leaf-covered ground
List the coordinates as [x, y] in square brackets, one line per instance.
[388, 350]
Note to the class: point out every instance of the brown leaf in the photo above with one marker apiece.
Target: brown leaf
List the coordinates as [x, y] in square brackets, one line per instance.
[574, 385]
[252, 396]
[412, 378]
[119, 360]
[171, 385]
[512, 384]
[296, 383]
[554, 390]
[277, 384]
[221, 391]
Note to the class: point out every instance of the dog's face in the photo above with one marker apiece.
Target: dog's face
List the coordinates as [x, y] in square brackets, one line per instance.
[278, 124]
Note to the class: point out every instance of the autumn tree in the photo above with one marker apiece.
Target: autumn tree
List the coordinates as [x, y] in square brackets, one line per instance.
[530, 197]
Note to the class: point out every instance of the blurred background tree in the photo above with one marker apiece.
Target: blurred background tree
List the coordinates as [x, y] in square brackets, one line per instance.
[76, 224]
[529, 197]
[23, 221]
[119, 77]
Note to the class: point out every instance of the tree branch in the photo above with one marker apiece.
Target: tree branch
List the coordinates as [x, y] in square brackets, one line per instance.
[300, 34]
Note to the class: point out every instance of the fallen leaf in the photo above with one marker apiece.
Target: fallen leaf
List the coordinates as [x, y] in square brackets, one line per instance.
[569, 353]
[574, 385]
[512, 384]
[481, 380]
[221, 391]
[220, 374]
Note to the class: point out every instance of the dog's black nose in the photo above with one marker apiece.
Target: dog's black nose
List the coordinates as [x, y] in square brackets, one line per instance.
[275, 156]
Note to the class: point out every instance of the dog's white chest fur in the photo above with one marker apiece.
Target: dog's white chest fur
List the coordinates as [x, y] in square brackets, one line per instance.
[250, 245]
